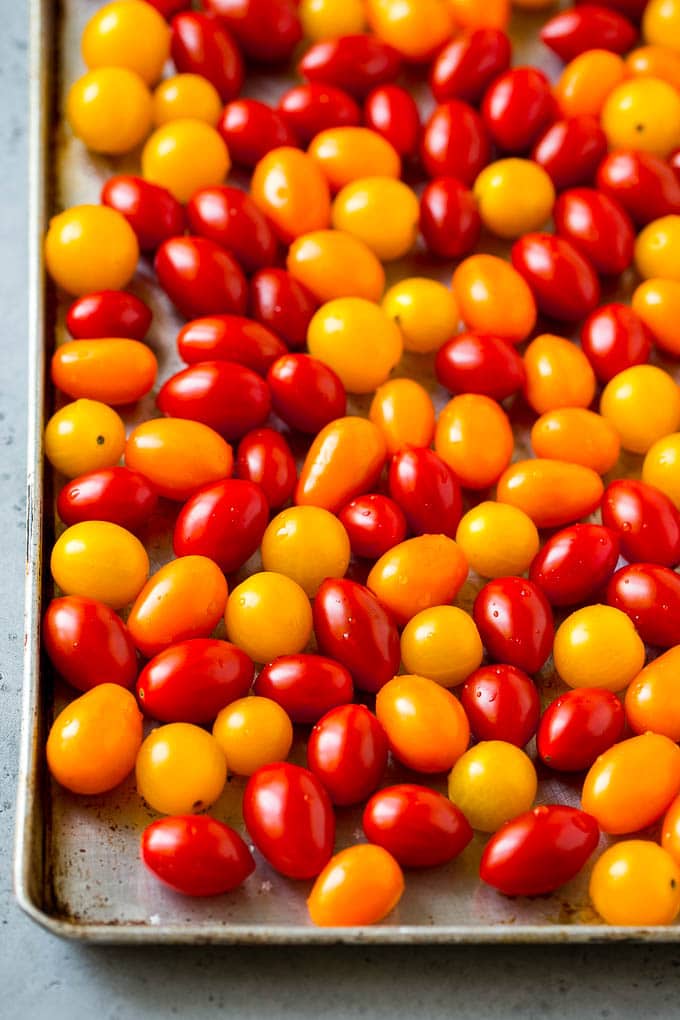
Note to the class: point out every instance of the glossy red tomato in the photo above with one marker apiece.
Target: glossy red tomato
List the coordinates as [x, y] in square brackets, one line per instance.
[229, 397]
[283, 305]
[108, 313]
[201, 45]
[645, 185]
[455, 142]
[266, 30]
[646, 521]
[598, 227]
[169, 7]
[306, 393]
[467, 65]
[575, 564]
[224, 522]
[315, 107]
[264, 457]
[518, 106]
[229, 217]
[88, 644]
[614, 338]
[571, 150]
[650, 595]
[152, 212]
[196, 855]
[392, 112]
[587, 27]
[251, 129]
[200, 277]
[501, 703]
[289, 817]
[374, 524]
[449, 219]
[515, 622]
[114, 494]
[356, 63]
[420, 827]
[633, 9]
[426, 489]
[578, 727]
[229, 338]
[193, 680]
[563, 282]
[477, 363]
[347, 752]
[353, 627]
[305, 686]
[539, 851]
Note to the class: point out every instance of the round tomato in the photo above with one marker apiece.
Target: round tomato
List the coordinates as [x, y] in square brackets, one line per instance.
[575, 564]
[267, 615]
[100, 560]
[425, 724]
[200, 277]
[264, 458]
[515, 622]
[84, 436]
[651, 700]
[180, 769]
[374, 524]
[307, 544]
[88, 644]
[636, 882]
[491, 783]
[645, 519]
[497, 539]
[501, 703]
[426, 489]
[650, 595]
[229, 217]
[305, 686]
[226, 396]
[579, 726]
[185, 155]
[347, 752]
[598, 646]
[108, 313]
[306, 393]
[196, 855]
[253, 732]
[417, 574]
[443, 644]
[418, 826]
[115, 494]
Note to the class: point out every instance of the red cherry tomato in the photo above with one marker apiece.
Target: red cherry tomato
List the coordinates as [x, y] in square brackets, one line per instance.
[283, 305]
[374, 524]
[315, 107]
[633, 9]
[152, 212]
[353, 627]
[646, 521]
[229, 217]
[571, 150]
[347, 752]
[587, 27]
[455, 142]
[264, 457]
[306, 393]
[201, 45]
[356, 63]
[251, 129]
[114, 494]
[224, 522]
[501, 703]
[539, 851]
[644, 185]
[88, 644]
[420, 827]
[200, 277]
[575, 564]
[228, 397]
[518, 106]
[578, 727]
[650, 595]
[614, 338]
[169, 7]
[515, 622]
[428, 492]
[598, 227]
[290, 819]
[449, 219]
[193, 680]
[108, 313]
[266, 30]
[229, 338]
[305, 686]
[196, 855]
[563, 282]
[475, 363]
[392, 112]
[467, 65]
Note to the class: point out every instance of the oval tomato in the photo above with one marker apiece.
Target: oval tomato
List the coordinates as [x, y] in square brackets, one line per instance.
[266, 30]
[201, 45]
[587, 27]
[467, 65]
[477, 363]
[426, 489]
[650, 595]
[578, 727]
[305, 686]
[501, 703]
[251, 129]
[230, 218]
[645, 185]
[114, 494]
[344, 461]
[200, 277]
[196, 855]
[88, 644]
[645, 519]
[315, 107]
[598, 227]
[282, 304]
[515, 622]
[306, 393]
[392, 112]
[575, 564]
[264, 457]
[229, 338]
[347, 752]
[374, 523]
[108, 313]
[224, 522]
[226, 396]
[418, 826]
[449, 219]
[571, 150]
[517, 107]
[153, 213]
[562, 281]
[356, 63]
[455, 142]
[114, 371]
[614, 338]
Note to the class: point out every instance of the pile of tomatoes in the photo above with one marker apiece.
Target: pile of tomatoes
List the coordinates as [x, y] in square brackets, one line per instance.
[331, 539]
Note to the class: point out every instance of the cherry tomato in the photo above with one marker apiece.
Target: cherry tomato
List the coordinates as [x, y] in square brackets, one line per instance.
[291, 190]
[497, 539]
[425, 311]
[425, 724]
[306, 686]
[360, 885]
[90, 248]
[127, 34]
[196, 855]
[558, 375]
[374, 524]
[515, 622]
[328, 19]
[110, 110]
[200, 277]
[178, 456]
[501, 703]
[421, 572]
[643, 405]
[455, 142]
[575, 564]
[266, 30]
[186, 96]
[659, 467]
[646, 521]
[268, 615]
[201, 45]
[478, 363]
[347, 752]
[314, 107]
[650, 595]
[392, 112]
[229, 217]
[645, 185]
[563, 281]
[153, 213]
[180, 769]
[344, 461]
[632, 9]
[449, 218]
[579, 436]
[552, 492]
[598, 227]
[416, 28]
[417, 825]
[88, 644]
[598, 646]
[426, 489]
[474, 437]
[493, 298]
[282, 304]
[112, 371]
[403, 411]
[229, 338]
[264, 457]
[587, 82]
[224, 522]
[108, 313]
[100, 560]
[251, 129]
[115, 494]
[655, 62]
[491, 783]
[514, 196]
[306, 393]
[657, 248]
[467, 65]
[356, 63]
[643, 113]
[191, 681]
[253, 732]
[84, 436]
[661, 24]
[307, 544]
[184, 156]
[347, 154]
[518, 106]
[571, 150]
[226, 396]
[651, 700]
[443, 644]
[637, 883]
[587, 27]
[657, 303]
[578, 727]
[381, 212]
[614, 337]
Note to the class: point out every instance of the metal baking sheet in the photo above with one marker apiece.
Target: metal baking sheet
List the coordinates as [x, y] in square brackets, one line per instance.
[77, 869]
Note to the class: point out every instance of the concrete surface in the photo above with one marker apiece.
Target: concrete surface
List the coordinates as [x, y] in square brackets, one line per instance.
[42, 977]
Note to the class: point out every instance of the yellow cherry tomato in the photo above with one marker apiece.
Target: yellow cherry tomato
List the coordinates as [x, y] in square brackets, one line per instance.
[357, 340]
[661, 23]
[558, 374]
[186, 97]
[253, 732]
[425, 311]
[307, 544]
[359, 885]
[652, 702]
[657, 302]
[291, 190]
[344, 460]
[100, 560]
[110, 110]
[598, 646]
[381, 212]
[643, 405]
[643, 113]
[661, 466]
[474, 437]
[127, 33]
[657, 249]
[415, 28]
[492, 783]
[346, 154]
[90, 248]
[587, 82]
[403, 411]
[178, 456]
[425, 724]
[578, 436]
[185, 155]
[84, 436]
[493, 298]
[471, 14]
[329, 19]
[551, 492]
[514, 196]
[94, 741]
[180, 769]
[498, 540]
[636, 883]
[443, 644]
[333, 264]
[655, 62]
[268, 615]
[417, 574]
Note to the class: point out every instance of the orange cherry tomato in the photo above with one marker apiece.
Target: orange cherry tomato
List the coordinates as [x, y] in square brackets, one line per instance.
[558, 374]
[425, 724]
[493, 298]
[403, 411]
[360, 885]
[657, 302]
[346, 154]
[417, 574]
[551, 492]
[670, 830]
[184, 599]
[578, 436]
[587, 81]
[471, 14]
[474, 437]
[178, 456]
[334, 264]
[291, 190]
[652, 702]
[115, 371]
[344, 460]
[415, 28]
[655, 62]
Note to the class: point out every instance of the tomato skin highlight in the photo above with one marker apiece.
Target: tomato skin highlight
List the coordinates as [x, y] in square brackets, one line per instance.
[108, 313]
[579, 726]
[515, 622]
[229, 338]
[196, 855]
[347, 752]
[88, 644]
[226, 396]
[575, 564]
[501, 703]
[305, 686]
[224, 522]
[650, 595]
[115, 494]
[418, 826]
[647, 522]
